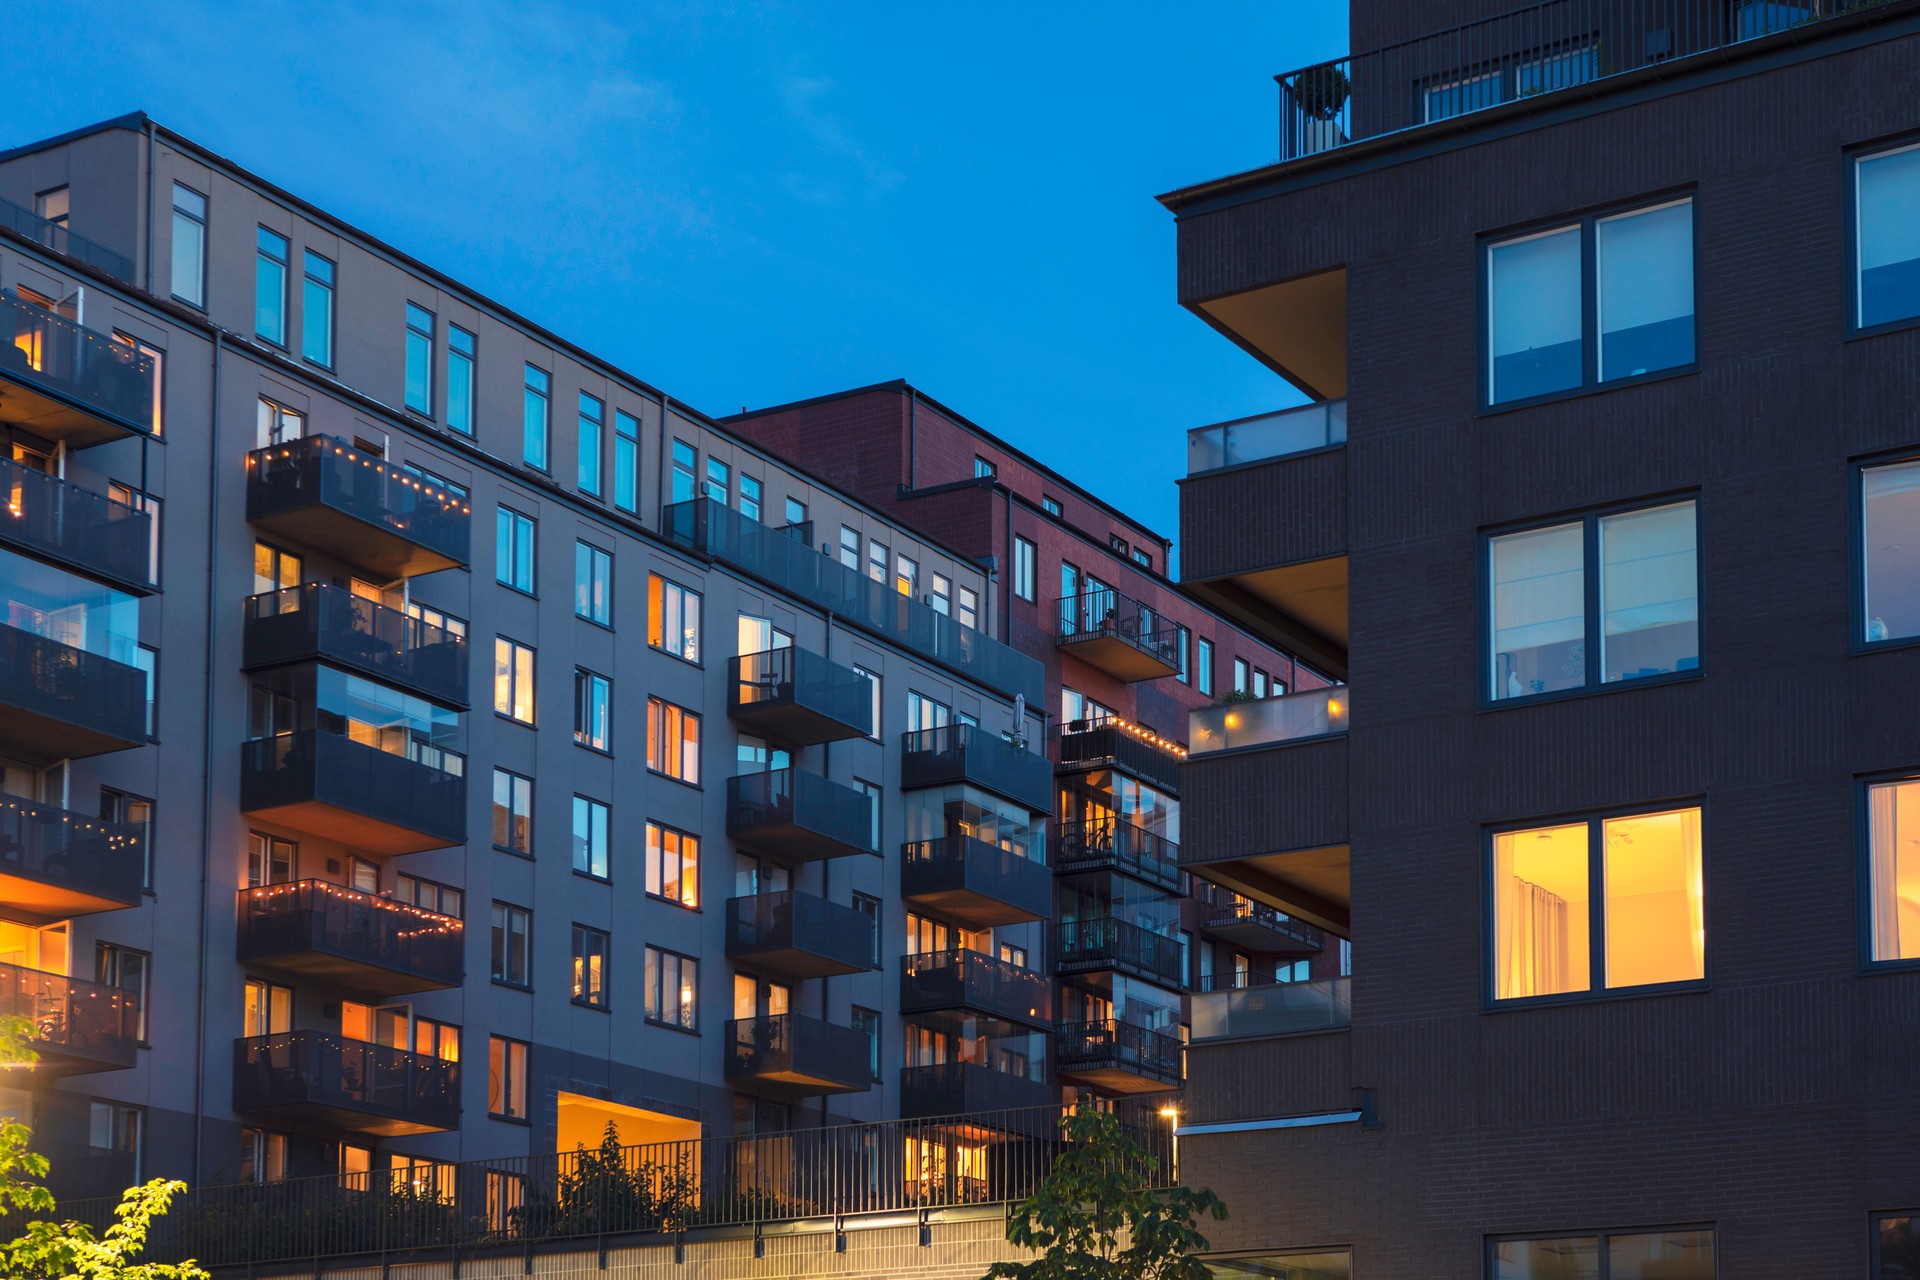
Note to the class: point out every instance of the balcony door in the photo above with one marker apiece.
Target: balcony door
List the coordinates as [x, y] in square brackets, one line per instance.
[753, 998]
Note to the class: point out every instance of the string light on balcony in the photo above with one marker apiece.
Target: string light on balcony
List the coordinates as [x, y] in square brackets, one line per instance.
[445, 497]
[433, 922]
[1138, 731]
[116, 834]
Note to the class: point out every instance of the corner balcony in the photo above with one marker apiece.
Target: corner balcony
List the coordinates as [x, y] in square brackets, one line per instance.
[799, 935]
[56, 864]
[318, 622]
[974, 883]
[1119, 635]
[75, 527]
[962, 981]
[355, 940]
[1114, 744]
[1118, 1057]
[1255, 926]
[1104, 943]
[67, 383]
[985, 1097]
[339, 789]
[798, 816]
[57, 701]
[56, 237]
[1275, 1009]
[78, 1026]
[319, 1080]
[971, 754]
[1108, 844]
[323, 493]
[789, 1055]
[795, 696]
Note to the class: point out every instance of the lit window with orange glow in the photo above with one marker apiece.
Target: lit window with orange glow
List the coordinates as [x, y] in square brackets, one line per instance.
[1893, 870]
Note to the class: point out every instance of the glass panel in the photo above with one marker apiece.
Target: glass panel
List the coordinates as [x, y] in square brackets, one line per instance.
[1541, 900]
[1890, 544]
[1330, 1265]
[1649, 593]
[1533, 290]
[1661, 1255]
[1656, 921]
[1889, 237]
[1893, 858]
[1539, 612]
[1577, 1258]
[1899, 1257]
[1644, 277]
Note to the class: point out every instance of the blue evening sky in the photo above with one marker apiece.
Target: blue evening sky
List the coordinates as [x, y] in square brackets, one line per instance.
[753, 203]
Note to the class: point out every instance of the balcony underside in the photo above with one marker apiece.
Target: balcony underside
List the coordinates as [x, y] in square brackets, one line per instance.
[353, 540]
[328, 1117]
[792, 721]
[55, 418]
[975, 908]
[793, 841]
[1254, 935]
[353, 972]
[1305, 604]
[58, 1061]
[1297, 327]
[1113, 1075]
[1118, 656]
[332, 821]
[1311, 885]
[38, 900]
[794, 1083]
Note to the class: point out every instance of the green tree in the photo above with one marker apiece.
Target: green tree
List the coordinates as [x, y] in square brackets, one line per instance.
[1097, 1215]
[72, 1250]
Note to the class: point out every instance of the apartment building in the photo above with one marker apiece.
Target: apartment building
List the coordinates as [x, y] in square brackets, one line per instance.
[1608, 311]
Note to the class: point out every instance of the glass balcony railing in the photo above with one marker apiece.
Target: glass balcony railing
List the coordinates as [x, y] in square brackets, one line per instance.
[790, 1055]
[1108, 844]
[56, 863]
[327, 494]
[980, 1093]
[1274, 1010]
[976, 982]
[366, 942]
[320, 622]
[799, 815]
[976, 883]
[972, 754]
[339, 788]
[1106, 943]
[798, 697]
[799, 935]
[56, 237]
[1264, 722]
[1266, 436]
[355, 1085]
[1101, 744]
[83, 386]
[77, 527]
[59, 701]
[77, 1025]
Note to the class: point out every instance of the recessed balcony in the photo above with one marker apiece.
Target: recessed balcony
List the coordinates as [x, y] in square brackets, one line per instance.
[319, 1080]
[799, 816]
[56, 864]
[318, 622]
[67, 383]
[331, 786]
[1111, 744]
[1109, 844]
[799, 935]
[1119, 635]
[355, 940]
[985, 1097]
[963, 981]
[1118, 1057]
[1273, 1009]
[1105, 943]
[789, 1055]
[50, 518]
[58, 701]
[323, 493]
[78, 1026]
[795, 696]
[974, 883]
[970, 754]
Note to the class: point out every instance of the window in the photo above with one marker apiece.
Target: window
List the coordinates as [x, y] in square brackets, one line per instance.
[506, 1078]
[316, 308]
[512, 930]
[270, 287]
[461, 357]
[146, 659]
[263, 1156]
[1673, 1254]
[906, 576]
[54, 205]
[673, 741]
[867, 1023]
[513, 549]
[1556, 626]
[1025, 567]
[128, 496]
[673, 618]
[430, 895]
[874, 796]
[750, 494]
[125, 969]
[270, 860]
[1886, 249]
[1183, 642]
[941, 597]
[1203, 668]
[984, 469]
[1890, 547]
[133, 811]
[512, 680]
[684, 459]
[1603, 299]
[513, 813]
[873, 691]
[1052, 507]
[592, 584]
[535, 397]
[189, 283]
[279, 424]
[673, 984]
[869, 906]
[156, 376]
[969, 611]
[590, 949]
[719, 485]
[266, 1009]
[626, 461]
[1118, 543]
[877, 561]
[1896, 1247]
[114, 1126]
[1893, 870]
[925, 713]
[1599, 904]
[850, 548]
[673, 865]
[590, 822]
[419, 360]
[592, 710]
[796, 512]
[1242, 676]
[592, 420]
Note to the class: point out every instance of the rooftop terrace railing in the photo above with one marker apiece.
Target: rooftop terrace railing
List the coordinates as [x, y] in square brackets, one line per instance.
[56, 237]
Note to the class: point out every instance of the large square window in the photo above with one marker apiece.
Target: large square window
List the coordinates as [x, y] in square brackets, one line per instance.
[1890, 552]
[1886, 250]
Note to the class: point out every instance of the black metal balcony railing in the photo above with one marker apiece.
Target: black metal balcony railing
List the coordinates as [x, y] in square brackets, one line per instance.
[332, 1081]
[56, 863]
[972, 754]
[799, 815]
[369, 943]
[966, 1088]
[1514, 56]
[77, 1025]
[790, 1055]
[796, 696]
[332, 786]
[976, 883]
[1106, 943]
[775, 556]
[77, 370]
[1111, 1050]
[77, 527]
[56, 237]
[1097, 744]
[65, 701]
[320, 622]
[326, 493]
[1108, 844]
[799, 935]
[651, 1193]
[1259, 927]
[935, 981]
[1118, 634]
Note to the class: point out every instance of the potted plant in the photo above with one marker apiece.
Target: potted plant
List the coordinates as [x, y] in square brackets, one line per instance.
[1321, 91]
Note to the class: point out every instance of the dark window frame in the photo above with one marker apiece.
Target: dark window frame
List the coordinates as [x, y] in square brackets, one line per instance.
[1851, 201]
[604, 1002]
[522, 984]
[330, 286]
[1863, 871]
[1600, 1235]
[1857, 543]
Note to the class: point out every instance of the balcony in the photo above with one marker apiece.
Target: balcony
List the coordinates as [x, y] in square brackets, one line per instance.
[331, 786]
[1268, 722]
[795, 696]
[1279, 1009]
[1255, 926]
[323, 1081]
[790, 563]
[799, 935]
[1118, 1057]
[56, 237]
[994, 1099]
[968, 753]
[67, 383]
[1104, 943]
[789, 1055]
[1266, 436]
[78, 1026]
[323, 493]
[56, 864]
[57, 701]
[1119, 635]
[963, 981]
[355, 940]
[799, 816]
[974, 883]
[75, 527]
[1108, 844]
[1113, 744]
[321, 623]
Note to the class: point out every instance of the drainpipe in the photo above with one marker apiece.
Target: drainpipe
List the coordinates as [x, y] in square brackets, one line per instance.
[206, 785]
[826, 864]
[148, 273]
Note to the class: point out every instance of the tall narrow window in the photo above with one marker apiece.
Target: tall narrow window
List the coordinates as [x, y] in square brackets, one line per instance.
[877, 561]
[590, 837]
[592, 584]
[513, 550]
[54, 206]
[1025, 567]
[1893, 870]
[535, 398]
[592, 710]
[129, 972]
[750, 495]
[513, 680]
[316, 310]
[796, 512]
[156, 376]
[513, 812]
[593, 417]
[941, 597]
[969, 610]
[511, 944]
[590, 949]
[133, 811]
[506, 1083]
[673, 865]
[719, 484]
[850, 547]
[673, 741]
[873, 699]
[1203, 668]
[1643, 290]
[626, 461]
[461, 354]
[1533, 311]
[673, 618]
[1886, 248]
[1890, 548]
[684, 459]
[419, 360]
[673, 988]
[1183, 643]
[906, 576]
[270, 287]
[189, 257]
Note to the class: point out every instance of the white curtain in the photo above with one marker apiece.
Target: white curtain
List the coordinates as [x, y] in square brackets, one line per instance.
[1534, 959]
[1883, 843]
